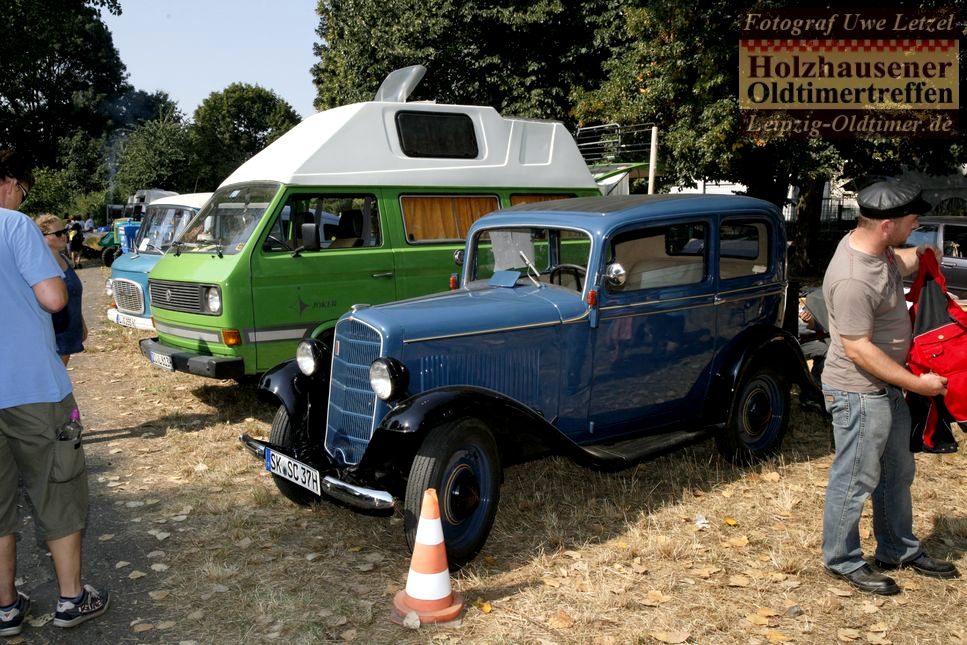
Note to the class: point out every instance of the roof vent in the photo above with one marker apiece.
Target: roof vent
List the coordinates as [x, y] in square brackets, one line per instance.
[399, 84]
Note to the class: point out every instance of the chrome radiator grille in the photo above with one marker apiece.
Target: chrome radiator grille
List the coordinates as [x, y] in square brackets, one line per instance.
[128, 296]
[352, 403]
[177, 296]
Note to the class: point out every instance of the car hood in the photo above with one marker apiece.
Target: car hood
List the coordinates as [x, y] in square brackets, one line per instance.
[132, 264]
[474, 311]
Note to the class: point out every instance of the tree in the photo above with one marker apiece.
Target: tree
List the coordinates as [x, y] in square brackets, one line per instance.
[232, 125]
[59, 75]
[523, 58]
[156, 154]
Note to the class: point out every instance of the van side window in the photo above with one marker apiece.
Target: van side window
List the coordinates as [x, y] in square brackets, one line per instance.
[743, 249]
[345, 221]
[443, 218]
[530, 199]
[661, 256]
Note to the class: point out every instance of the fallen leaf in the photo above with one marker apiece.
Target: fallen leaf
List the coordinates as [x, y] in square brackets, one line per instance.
[121, 564]
[196, 615]
[483, 605]
[551, 582]
[219, 588]
[738, 541]
[766, 611]
[348, 635]
[771, 477]
[166, 624]
[161, 535]
[707, 572]
[756, 619]
[105, 537]
[840, 591]
[561, 620]
[869, 608]
[365, 566]
[159, 567]
[134, 575]
[574, 554]
[244, 543]
[730, 521]
[877, 639]
[313, 556]
[846, 635]
[670, 637]
[775, 636]
[156, 554]
[738, 581]
[879, 627]
[142, 627]
[159, 594]
[654, 598]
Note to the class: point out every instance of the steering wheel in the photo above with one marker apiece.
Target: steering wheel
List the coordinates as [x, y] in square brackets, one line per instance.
[576, 270]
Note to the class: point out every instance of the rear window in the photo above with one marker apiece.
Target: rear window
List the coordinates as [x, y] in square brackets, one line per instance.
[437, 134]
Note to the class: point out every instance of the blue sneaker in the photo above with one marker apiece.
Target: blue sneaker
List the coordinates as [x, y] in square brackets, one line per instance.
[91, 605]
[12, 620]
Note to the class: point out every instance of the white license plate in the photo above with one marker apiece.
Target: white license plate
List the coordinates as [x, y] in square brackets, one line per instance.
[163, 361]
[128, 321]
[293, 470]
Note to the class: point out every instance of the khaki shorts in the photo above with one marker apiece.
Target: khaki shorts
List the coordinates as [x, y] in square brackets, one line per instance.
[54, 472]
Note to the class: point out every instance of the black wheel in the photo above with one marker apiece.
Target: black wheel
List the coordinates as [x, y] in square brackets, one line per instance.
[283, 437]
[461, 461]
[575, 270]
[108, 255]
[759, 420]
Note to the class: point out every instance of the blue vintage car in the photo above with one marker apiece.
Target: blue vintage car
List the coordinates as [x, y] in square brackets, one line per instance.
[609, 329]
[164, 219]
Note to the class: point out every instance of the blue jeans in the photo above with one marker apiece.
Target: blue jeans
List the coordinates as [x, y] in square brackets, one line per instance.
[872, 436]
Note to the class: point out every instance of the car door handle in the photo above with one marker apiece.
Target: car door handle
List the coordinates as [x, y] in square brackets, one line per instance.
[949, 265]
[384, 274]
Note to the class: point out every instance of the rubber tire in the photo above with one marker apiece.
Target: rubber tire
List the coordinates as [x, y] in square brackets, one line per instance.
[108, 256]
[281, 435]
[765, 394]
[447, 450]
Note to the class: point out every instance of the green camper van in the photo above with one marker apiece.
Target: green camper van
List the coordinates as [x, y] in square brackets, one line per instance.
[364, 203]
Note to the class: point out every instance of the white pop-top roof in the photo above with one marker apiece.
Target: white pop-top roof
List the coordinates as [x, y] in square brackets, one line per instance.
[191, 200]
[358, 145]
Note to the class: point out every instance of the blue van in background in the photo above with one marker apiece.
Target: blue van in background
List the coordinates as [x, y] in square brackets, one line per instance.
[163, 221]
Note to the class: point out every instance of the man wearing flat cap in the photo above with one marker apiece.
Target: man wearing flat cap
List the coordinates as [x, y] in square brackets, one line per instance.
[863, 385]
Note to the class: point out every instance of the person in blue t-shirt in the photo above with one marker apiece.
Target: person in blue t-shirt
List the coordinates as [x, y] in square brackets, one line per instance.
[36, 406]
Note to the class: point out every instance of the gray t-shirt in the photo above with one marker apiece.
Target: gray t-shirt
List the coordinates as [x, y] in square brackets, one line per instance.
[864, 294]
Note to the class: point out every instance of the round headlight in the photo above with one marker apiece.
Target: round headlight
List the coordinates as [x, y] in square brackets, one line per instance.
[214, 300]
[388, 378]
[308, 357]
[109, 288]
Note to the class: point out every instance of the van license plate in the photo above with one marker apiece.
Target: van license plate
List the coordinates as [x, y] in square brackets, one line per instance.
[163, 361]
[293, 470]
[126, 321]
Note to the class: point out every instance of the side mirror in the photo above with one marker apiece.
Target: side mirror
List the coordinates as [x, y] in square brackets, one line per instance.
[458, 257]
[310, 236]
[616, 275]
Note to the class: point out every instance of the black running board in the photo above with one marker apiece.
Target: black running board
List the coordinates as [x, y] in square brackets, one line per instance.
[625, 453]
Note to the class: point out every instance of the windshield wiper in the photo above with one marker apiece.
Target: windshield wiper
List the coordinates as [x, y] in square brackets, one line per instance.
[531, 267]
[177, 247]
[218, 249]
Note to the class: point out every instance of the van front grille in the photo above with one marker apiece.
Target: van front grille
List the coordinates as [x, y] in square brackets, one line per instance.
[128, 296]
[176, 296]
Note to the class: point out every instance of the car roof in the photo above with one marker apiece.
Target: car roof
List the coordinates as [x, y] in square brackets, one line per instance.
[943, 219]
[592, 212]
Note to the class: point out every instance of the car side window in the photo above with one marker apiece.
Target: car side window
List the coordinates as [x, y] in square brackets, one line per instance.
[743, 249]
[662, 256]
[955, 241]
[345, 221]
[443, 218]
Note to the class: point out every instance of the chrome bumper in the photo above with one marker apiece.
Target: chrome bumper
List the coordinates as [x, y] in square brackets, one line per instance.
[368, 499]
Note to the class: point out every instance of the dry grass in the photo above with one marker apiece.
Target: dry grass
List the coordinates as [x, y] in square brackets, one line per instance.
[575, 556]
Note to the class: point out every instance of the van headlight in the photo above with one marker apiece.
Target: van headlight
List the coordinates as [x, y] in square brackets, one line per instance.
[213, 300]
[109, 288]
[309, 357]
[388, 378]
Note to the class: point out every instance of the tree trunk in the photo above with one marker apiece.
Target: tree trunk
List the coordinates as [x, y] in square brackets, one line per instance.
[811, 256]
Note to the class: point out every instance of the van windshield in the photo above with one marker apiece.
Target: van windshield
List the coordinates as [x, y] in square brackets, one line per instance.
[160, 226]
[228, 220]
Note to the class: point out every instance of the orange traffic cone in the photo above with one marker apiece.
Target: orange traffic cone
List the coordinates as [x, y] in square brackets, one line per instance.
[428, 592]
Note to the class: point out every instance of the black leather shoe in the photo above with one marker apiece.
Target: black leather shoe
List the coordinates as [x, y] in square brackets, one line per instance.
[866, 579]
[925, 566]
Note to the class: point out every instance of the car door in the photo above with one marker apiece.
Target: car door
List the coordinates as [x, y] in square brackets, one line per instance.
[655, 333]
[954, 261]
[294, 294]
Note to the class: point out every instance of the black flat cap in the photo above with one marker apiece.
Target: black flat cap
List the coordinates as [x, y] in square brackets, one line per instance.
[891, 198]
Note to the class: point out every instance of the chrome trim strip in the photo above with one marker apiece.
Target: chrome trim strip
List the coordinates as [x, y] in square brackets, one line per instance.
[483, 331]
[190, 333]
[282, 333]
[659, 300]
[659, 311]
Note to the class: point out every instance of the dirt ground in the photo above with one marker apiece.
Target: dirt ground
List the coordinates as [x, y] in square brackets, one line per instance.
[197, 545]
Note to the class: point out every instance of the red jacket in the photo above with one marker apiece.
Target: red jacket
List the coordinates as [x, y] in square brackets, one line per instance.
[939, 345]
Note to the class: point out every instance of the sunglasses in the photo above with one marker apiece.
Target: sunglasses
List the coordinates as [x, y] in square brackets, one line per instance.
[61, 233]
[23, 191]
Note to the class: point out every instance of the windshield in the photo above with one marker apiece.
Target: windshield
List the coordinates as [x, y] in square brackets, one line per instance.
[161, 226]
[227, 221]
[557, 256]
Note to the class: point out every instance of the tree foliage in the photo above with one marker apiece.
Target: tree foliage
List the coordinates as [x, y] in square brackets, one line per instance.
[155, 154]
[523, 58]
[232, 125]
[60, 72]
